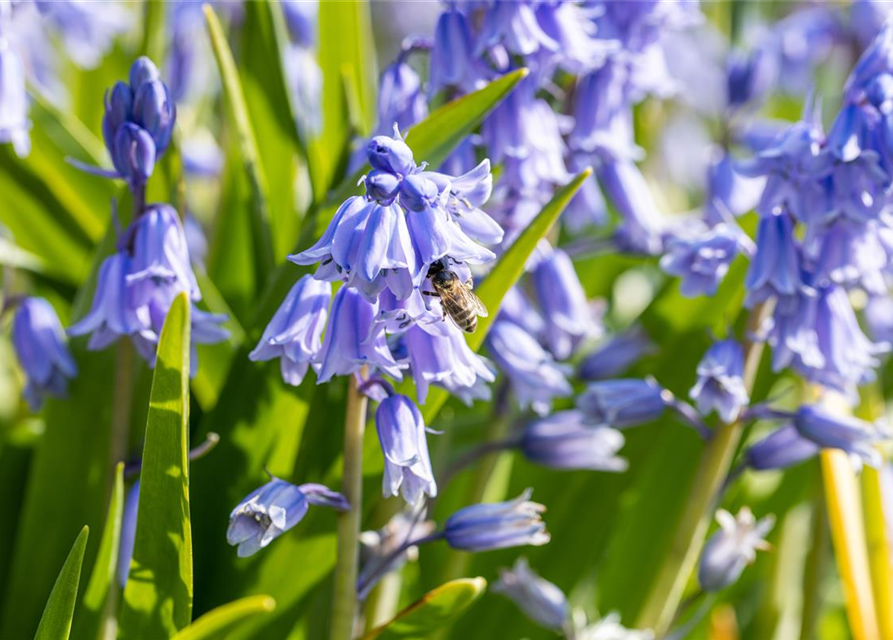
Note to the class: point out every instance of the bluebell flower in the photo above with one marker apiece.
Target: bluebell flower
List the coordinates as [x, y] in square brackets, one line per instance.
[196, 241]
[847, 253]
[610, 628]
[817, 334]
[617, 355]
[467, 194]
[513, 25]
[775, 267]
[294, 334]
[879, 318]
[565, 440]
[641, 228]
[453, 64]
[702, 259]
[563, 302]
[400, 96]
[603, 113]
[517, 308]
[407, 467]
[39, 343]
[751, 75]
[537, 598]
[720, 386]
[732, 548]
[847, 433]
[268, 512]
[305, 80]
[352, 339]
[535, 378]
[781, 449]
[14, 123]
[87, 29]
[568, 24]
[866, 19]
[301, 18]
[587, 207]
[438, 354]
[806, 38]
[160, 253]
[624, 402]
[128, 532]
[728, 191]
[483, 527]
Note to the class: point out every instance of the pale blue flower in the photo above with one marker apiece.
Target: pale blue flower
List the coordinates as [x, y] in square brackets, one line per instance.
[720, 386]
[781, 449]
[483, 527]
[732, 548]
[39, 343]
[624, 402]
[702, 259]
[401, 434]
[538, 599]
[566, 440]
[847, 433]
[14, 123]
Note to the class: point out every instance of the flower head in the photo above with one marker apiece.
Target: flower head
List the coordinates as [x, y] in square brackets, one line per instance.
[565, 440]
[702, 260]
[482, 527]
[851, 435]
[401, 433]
[39, 343]
[268, 512]
[294, 334]
[720, 385]
[539, 599]
[775, 267]
[617, 355]
[624, 402]
[782, 448]
[732, 548]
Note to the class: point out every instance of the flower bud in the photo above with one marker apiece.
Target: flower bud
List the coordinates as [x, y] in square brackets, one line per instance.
[141, 71]
[418, 193]
[390, 154]
[133, 154]
[782, 448]
[564, 441]
[118, 107]
[539, 599]
[847, 433]
[155, 112]
[382, 185]
[483, 527]
[624, 402]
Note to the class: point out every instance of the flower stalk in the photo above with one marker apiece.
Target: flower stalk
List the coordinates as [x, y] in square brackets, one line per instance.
[344, 609]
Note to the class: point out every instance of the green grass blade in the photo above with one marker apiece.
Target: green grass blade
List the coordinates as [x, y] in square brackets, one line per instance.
[434, 610]
[153, 31]
[55, 624]
[93, 604]
[216, 624]
[158, 596]
[246, 143]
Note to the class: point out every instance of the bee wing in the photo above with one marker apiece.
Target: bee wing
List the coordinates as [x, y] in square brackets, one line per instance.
[476, 304]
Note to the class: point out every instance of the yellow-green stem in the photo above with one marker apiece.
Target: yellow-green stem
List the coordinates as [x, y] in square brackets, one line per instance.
[344, 609]
[123, 399]
[668, 587]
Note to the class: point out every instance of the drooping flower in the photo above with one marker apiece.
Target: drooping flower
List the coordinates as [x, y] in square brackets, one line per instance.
[268, 512]
[14, 123]
[453, 64]
[407, 467]
[514, 26]
[538, 599]
[294, 334]
[847, 433]
[483, 527]
[624, 402]
[400, 96]
[641, 229]
[565, 440]
[781, 449]
[535, 377]
[563, 302]
[775, 267]
[847, 253]
[617, 355]
[160, 254]
[702, 260]
[720, 386]
[39, 343]
[732, 548]
[352, 340]
[728, 192]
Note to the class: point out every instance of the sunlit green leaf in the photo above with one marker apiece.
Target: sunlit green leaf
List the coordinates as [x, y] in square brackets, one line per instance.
[218, 623]
[55, 624]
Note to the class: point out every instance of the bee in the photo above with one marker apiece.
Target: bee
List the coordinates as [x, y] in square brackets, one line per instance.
[457, 298]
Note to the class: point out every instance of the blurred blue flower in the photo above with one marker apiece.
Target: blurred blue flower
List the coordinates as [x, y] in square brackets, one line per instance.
[562, 301]
[401, 100]
[624, 402]
[88, 29]
[517, 308]
[513, 24]
[538, 599]
[775, 267]
[438, 354]
[268, 512]
[702, 259]
[720, 386]
[642, 223]
[751, 75]
[728, 192]
[39, 343]
[160, 254]
[482, 527]
[196, 242]
[301, 18]
[453, 65]
[407, 467]
[294, 334]
[781, 449]
[866, 19]
[617, 355]
[352, 339]
[732, 548]
[566, 440]
[14, 123]
[535, 377]
[128, 533]
[848, 253]
[847, 433]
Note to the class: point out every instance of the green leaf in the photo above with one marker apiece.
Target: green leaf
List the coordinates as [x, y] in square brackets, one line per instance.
[246, 144]
[158, 596]
[153, 31]
[91, 615]
[270, 109]
[346, 58]
[433, 611]
[506, 273]
[55, 624]
[218, 623]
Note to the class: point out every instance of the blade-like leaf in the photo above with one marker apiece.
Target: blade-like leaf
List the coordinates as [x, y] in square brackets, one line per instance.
[158, 596]
[506, 273]
[246, 143]
[436, 608]
[55, 624]
[346, 52]
[218, 623]
[93, 604]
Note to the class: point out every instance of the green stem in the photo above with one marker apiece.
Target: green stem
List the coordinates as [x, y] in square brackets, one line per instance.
[681, 557]
[813, 572]
[121, 405]
[344, 609]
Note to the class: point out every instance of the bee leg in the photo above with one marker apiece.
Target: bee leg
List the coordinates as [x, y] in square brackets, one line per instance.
[444, 315]
[433, 294]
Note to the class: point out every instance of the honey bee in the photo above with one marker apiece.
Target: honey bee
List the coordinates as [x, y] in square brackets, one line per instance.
[457, 298]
